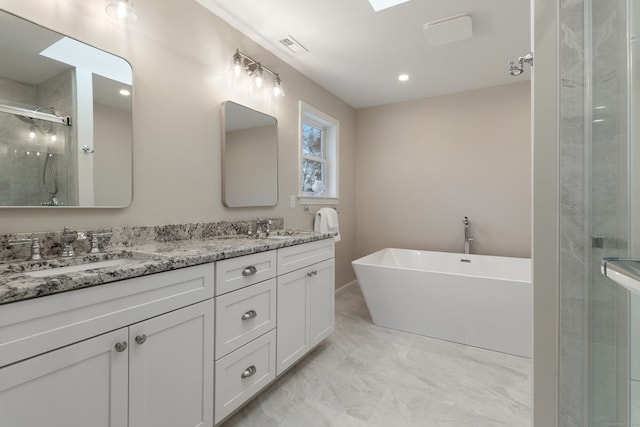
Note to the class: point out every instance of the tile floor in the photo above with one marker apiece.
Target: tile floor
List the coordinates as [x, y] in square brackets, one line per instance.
[365, 375]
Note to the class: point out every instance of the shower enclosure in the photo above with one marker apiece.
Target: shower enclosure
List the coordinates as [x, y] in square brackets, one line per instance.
[35, 157]
[599, 213]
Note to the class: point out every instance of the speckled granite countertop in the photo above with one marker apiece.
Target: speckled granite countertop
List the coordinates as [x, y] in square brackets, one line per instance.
[17, 285]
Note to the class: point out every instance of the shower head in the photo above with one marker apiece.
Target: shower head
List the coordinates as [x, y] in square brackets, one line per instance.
[515, 70]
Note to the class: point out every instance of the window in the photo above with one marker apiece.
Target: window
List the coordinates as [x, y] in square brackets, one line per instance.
[318, 156]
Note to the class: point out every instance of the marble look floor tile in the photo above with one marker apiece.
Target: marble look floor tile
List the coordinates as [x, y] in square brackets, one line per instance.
[365, 375]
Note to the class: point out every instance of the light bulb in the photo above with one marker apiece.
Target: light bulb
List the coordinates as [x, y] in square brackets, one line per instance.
[125, 92]
[277, 86]
[237, 63]
[54, 138]
[32, 135]
[259, 76]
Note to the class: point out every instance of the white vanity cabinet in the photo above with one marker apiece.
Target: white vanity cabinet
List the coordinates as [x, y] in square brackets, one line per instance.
[144, 352]
[245, 323]
[84, 384]
[170, 369]
[134, 353]
[305, 299]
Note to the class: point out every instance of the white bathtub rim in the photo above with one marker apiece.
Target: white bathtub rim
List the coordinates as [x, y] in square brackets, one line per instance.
[361, 261]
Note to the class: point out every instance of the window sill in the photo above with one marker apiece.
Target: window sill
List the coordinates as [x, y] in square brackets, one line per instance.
[310, 200]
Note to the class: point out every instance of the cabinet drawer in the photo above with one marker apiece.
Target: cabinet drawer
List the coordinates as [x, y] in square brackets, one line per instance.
[243, 373]
[237, 273]
[244, 315]
[295, 257]
[43, 324]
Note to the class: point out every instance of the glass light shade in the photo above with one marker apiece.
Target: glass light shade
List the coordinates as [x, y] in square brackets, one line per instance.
[237, 63]
[122, 10]
[259, 76]
[277, 86]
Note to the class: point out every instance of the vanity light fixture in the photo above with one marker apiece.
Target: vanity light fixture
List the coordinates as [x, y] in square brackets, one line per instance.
[122, 10]
[256, 70]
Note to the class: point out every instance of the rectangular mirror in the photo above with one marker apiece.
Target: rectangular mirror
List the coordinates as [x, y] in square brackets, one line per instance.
[65, 120]
[249, 157]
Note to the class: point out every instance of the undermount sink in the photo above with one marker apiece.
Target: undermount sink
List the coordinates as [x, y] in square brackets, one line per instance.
[289, 234]
[47, 272]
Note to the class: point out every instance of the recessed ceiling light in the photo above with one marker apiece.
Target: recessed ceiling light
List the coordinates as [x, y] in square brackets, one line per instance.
[403, 77]
[379, 5]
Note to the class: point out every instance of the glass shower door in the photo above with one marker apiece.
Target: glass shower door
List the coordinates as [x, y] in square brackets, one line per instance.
[595, 222]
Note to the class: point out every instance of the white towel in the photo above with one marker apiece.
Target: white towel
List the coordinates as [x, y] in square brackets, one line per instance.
[326, 221]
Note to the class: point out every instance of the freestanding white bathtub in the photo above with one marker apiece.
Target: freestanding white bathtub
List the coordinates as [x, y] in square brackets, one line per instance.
[479, 300]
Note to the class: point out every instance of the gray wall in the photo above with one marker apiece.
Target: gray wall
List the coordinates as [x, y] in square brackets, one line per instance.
[181, 56]
[424, 165]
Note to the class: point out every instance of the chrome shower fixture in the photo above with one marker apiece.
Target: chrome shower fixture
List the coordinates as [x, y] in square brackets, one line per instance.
[517, 69]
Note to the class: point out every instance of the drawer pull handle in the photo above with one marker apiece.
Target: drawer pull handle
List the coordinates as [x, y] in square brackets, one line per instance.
[140, 339]
[312, 273]
[121, 346]
[251, 314]
[248, 271]
[250, 371]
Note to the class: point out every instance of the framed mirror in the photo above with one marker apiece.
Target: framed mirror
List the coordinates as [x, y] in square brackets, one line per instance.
[65, 120]
[249, 157]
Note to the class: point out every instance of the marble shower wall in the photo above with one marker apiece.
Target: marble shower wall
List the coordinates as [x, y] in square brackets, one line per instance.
[21, 168]
[592, 203]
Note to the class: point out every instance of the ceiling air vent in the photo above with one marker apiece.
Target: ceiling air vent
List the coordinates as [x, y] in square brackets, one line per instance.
[293, 45]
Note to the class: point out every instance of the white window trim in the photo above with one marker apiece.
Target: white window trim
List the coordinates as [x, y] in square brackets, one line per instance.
[332, 148]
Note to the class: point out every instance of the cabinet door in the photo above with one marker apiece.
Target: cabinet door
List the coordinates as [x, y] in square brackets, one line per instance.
[292, 332]
[84, 384]
[321, 288]
[171, 369]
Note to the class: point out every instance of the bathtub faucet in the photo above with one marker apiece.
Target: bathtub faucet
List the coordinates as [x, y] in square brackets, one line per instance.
[467, 239]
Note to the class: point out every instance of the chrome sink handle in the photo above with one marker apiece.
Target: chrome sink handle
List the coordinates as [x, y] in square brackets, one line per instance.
[95, 246]
[35, 247]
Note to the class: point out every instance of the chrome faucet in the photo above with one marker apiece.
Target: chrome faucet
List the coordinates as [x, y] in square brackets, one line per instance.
[68, 237]
[467, 239]
[266, 229]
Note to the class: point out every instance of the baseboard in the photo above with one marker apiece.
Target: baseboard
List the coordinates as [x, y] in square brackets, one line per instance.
[345, 287]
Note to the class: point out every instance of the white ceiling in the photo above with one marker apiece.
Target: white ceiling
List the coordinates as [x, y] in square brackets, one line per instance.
[357, 53]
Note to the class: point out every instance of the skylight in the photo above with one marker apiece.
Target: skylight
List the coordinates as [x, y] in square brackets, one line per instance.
[379, 5]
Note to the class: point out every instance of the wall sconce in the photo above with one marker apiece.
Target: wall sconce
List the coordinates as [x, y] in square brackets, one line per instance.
[256, 70]
[121, 10]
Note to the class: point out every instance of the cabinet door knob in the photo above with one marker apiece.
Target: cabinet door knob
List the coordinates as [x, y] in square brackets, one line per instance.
[140, 339]
[248, 271]
[251, 314]
[121, 346]
[251, 370]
